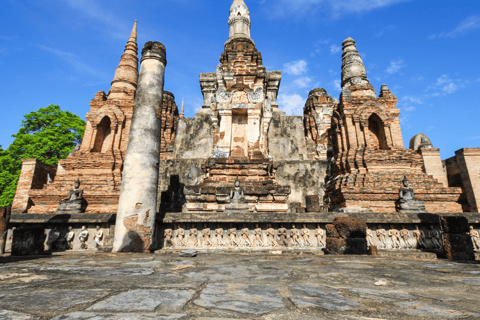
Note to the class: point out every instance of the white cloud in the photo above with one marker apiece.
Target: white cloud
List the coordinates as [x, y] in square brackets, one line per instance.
[469, 24]
[412, 99]
[301, 8]
[295, 68]
[335, 49]
[395, 66]
[445, 85]
[409, 108]
[292, 104]
[450, 88]
[302, 82]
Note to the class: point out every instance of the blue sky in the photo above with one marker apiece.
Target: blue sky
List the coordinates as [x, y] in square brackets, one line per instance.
[64, 51]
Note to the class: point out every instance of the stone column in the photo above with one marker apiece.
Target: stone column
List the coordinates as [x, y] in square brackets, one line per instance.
[118, 137]
[358, 132]
[388, 135]
[135, 224]
[94, 137]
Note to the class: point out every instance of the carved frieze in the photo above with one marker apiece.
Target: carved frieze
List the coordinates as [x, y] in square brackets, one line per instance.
[223, 96]
[256, 237]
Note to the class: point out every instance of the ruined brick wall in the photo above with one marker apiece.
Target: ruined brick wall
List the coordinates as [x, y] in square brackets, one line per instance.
[468, 160]
[317, 115]
[33, 176]
[244, 62]
[169, 116]
[433, 164]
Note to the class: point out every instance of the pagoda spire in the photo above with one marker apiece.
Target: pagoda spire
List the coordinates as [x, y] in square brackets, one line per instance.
[183, 109]
[353, 70]
[126, 75]
[239, 21]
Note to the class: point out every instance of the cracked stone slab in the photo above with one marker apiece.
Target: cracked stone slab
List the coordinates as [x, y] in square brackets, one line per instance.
[149, 264]
[238, 274]
[384, 293]
[117, 316]
[430, 309]
[440, 266]
[100, 272]
[10, 315]
[146, 300]
[475, 281]
[304, 296]
[51, 300]
[253, 299]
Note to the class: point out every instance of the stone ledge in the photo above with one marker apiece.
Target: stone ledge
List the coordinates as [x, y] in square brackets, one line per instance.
[407, 254]
[311, 217]
[63, 218]
[269, 251]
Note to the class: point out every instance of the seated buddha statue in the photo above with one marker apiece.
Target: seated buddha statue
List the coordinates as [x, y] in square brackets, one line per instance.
[406, 202]
[237, 198]
[73, 203]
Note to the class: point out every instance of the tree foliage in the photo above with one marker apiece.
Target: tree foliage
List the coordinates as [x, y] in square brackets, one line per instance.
[48, 135]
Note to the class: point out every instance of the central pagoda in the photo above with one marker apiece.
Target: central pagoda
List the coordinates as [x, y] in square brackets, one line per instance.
[240, 98]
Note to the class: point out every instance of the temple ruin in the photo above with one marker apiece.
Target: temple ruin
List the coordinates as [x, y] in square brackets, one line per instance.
[242, 174]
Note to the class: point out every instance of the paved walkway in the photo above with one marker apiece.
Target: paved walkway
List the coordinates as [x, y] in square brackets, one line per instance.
[166, 286]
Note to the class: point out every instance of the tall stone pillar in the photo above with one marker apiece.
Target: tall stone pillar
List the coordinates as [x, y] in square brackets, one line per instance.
[135, 224]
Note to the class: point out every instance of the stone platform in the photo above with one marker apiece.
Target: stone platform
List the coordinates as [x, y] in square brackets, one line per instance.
[210, 286]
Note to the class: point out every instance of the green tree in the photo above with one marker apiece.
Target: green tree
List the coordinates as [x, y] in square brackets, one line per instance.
[48, 135]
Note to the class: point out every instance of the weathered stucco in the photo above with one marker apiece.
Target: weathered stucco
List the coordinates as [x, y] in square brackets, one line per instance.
[286, 138]
[194, 138]
[174, 174]
[304, 178]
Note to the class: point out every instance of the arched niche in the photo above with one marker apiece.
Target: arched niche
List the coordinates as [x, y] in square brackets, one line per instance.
[377, 136]
[103, 133]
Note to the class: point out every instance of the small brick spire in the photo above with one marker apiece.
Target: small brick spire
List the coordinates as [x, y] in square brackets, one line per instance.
[126, 75]
[181, 110]
[353, 70]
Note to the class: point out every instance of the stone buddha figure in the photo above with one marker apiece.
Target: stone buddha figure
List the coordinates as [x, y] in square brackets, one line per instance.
[406, 202]
[237, 198]
[72, 203]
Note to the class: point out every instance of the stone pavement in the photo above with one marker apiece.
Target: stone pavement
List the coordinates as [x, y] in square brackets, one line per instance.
[244, 286]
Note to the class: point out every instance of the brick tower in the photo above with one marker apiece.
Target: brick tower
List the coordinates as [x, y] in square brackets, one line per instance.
[369, 158]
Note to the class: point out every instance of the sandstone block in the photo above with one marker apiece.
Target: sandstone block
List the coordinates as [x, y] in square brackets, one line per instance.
[346, 246]
[349, 227]
[455, 225]
[332, 231]
[336, 245]
[458, 247]
[373, 251]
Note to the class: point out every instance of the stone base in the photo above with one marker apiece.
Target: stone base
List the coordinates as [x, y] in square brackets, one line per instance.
[411, 211]
[414, 254]
[268, 251]
[347, 246]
